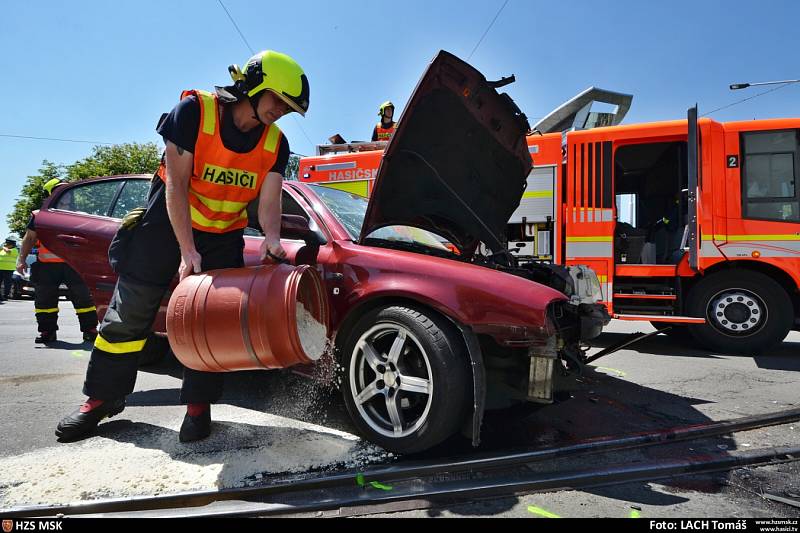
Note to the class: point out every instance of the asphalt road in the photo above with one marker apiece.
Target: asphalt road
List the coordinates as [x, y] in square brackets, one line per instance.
[275, 423]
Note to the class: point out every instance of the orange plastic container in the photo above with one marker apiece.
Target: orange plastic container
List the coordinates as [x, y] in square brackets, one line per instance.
[247, 318]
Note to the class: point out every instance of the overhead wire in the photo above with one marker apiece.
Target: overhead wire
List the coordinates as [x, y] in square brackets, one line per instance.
[252, 51]
[52, 139]
[751, 97]
[230, 17]
[485, 33]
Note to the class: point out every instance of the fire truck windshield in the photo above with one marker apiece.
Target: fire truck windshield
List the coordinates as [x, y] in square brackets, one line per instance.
[350, 209]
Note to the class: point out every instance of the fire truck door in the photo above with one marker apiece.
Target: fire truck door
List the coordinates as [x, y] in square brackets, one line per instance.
[693, 158]
[589, 210]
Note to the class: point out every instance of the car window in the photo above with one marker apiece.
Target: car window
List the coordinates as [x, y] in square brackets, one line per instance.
[92, 198]
[347, 207]
[289, 206]
[351, 208]
[133, 195]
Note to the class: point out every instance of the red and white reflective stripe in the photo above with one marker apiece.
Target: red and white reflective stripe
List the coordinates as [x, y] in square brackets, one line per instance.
[660, 318]
[646, 296]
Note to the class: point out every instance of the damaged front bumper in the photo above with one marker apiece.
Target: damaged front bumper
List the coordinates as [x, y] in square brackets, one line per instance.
[578, 324]
[575, 326]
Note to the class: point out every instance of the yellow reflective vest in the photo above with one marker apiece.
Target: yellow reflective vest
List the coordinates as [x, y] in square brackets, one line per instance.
[8, 258]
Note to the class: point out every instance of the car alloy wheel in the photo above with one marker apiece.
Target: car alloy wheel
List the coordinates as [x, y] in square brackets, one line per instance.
[391, 381]
[407, 386]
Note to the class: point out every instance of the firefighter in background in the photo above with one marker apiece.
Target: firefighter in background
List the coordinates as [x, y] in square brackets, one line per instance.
[384, 130]
[47, 274]
[223, 150]
[8, 263]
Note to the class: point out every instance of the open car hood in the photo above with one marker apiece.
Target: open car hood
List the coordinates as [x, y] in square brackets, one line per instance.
[457, 164]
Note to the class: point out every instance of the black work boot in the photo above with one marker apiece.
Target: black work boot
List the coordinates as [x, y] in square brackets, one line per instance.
[46, 337]
[84, 419]
[195, 427]
[90, 336]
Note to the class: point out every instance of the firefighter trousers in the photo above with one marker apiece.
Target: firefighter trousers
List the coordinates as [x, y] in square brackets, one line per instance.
[147, 263]
[47, 278]
[8, 280]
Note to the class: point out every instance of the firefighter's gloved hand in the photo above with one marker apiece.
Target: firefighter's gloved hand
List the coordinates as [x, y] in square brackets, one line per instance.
[130, 220]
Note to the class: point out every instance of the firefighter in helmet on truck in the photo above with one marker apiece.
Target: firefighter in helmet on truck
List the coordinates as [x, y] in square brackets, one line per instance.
[384, 130]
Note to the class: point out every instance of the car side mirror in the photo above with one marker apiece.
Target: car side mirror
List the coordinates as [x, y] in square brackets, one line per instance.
[297, 227]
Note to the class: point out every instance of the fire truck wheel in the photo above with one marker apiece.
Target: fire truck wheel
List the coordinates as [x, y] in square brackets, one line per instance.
[407, 383]
[746, 312]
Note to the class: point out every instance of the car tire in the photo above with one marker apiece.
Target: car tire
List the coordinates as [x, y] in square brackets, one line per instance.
[406, 344]
[154, 351]
[746, 312]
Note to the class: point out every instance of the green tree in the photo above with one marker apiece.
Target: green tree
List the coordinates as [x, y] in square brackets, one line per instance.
[128, 158]
[31, 196]
[292, 166]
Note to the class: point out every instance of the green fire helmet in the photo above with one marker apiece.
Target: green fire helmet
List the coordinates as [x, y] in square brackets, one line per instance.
[277, 73]
[50, 185]
[383, 107]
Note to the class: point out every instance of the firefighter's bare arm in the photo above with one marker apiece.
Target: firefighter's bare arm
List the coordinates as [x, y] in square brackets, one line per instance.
[269, 215]
[179, 172]
[27, 245]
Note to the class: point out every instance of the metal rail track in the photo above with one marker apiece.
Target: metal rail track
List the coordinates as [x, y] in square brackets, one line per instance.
[460, 478]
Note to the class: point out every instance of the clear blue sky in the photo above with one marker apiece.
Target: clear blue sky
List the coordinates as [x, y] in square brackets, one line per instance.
[105, 71]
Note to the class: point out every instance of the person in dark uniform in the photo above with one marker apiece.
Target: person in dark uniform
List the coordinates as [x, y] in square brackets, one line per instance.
[384, 130]
[47, 274]
[223, 150]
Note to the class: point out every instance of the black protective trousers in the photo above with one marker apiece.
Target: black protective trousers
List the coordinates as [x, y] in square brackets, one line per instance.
[7, 278]
[47, 277]
[147, 259]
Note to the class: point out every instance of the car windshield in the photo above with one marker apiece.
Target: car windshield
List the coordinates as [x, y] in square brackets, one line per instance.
[350, 209]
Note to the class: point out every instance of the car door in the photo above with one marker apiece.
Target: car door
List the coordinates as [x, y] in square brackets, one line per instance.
[80, 221]
[254, 237]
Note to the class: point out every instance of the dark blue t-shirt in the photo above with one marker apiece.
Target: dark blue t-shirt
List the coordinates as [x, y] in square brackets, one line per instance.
[180, 127]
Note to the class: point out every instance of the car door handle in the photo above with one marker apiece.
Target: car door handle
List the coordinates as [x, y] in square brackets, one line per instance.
[73, 240]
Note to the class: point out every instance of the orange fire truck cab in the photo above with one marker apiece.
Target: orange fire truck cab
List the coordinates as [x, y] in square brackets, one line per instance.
[690, 224]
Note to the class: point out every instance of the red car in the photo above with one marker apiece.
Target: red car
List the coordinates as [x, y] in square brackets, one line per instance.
[429, 338]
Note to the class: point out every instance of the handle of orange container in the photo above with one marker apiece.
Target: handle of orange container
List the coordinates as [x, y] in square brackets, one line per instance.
[277, 259]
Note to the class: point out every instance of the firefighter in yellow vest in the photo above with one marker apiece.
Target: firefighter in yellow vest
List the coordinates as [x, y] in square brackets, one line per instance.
[384, 130]
[8, 263]
[47, 274]
[223, 150]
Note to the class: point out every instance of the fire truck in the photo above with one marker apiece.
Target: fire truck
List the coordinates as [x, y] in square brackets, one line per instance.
[692, 225]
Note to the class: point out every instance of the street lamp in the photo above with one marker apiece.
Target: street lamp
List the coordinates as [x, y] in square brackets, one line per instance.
[737, 86]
